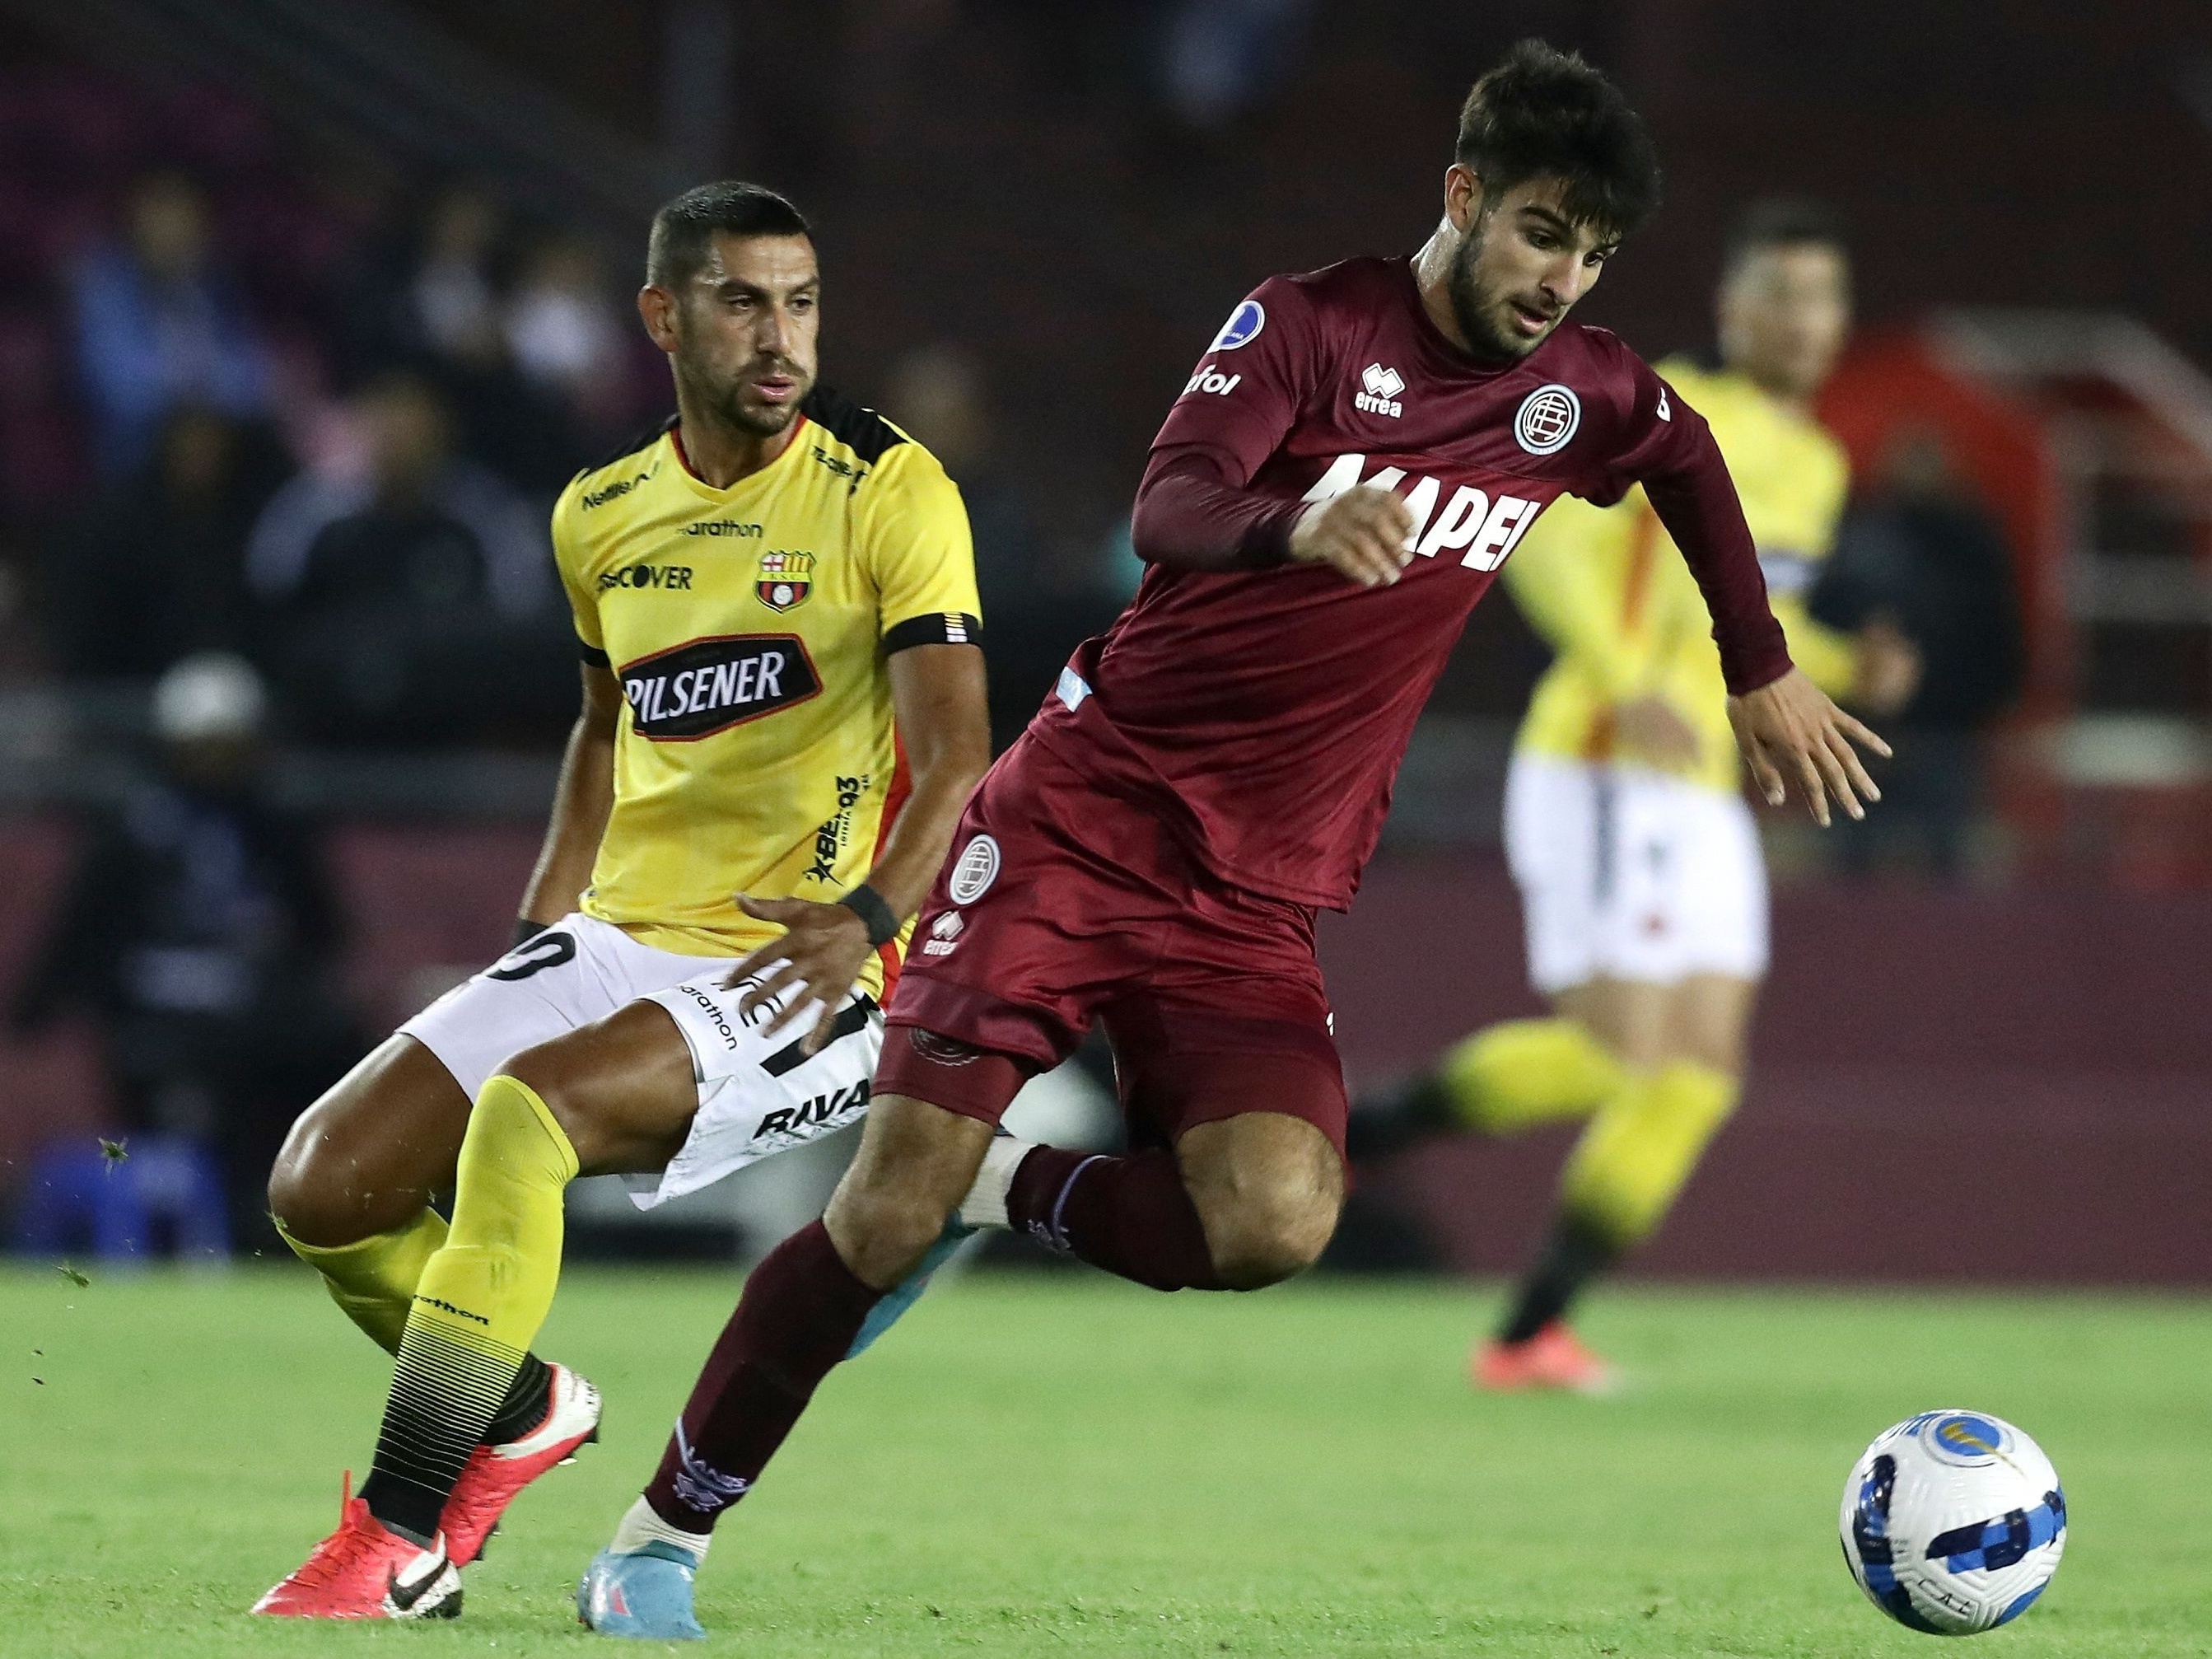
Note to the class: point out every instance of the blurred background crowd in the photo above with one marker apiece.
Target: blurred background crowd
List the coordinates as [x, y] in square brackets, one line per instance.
[308, 311]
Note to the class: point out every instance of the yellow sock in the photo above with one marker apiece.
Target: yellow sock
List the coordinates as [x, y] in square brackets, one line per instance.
[1523, 1073]
[374, 1279]
[492, 1284]
[479, 1305]
[1633, 1159]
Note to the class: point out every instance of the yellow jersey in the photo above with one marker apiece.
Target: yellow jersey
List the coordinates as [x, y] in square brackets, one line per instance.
[750, 629]
[1607, 590]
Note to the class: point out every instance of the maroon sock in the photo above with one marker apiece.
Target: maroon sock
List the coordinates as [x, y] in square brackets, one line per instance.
[1131, 1216]
[799, 1313]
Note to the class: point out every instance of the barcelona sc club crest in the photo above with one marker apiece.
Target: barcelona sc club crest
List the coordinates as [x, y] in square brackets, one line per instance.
[785, 579]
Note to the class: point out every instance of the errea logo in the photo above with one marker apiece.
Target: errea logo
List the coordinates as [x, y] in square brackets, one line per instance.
[1382, 386]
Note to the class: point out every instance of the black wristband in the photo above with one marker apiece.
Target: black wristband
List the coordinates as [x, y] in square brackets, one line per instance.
[866, 903]
[525, 930]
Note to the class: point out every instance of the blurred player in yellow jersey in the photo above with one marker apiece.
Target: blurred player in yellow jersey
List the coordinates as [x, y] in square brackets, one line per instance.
[774, 598]
[1643, 893]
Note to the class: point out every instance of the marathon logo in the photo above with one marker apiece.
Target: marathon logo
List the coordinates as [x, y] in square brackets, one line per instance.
[827, 1111]
[721, 527]
[710, 685]
[830, 840]
[444, 1306]
[621, 487]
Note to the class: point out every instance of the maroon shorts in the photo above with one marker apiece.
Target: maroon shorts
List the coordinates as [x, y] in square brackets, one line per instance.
[1062, 904]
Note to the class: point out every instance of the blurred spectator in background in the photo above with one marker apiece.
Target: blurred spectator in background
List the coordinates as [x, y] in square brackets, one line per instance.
[433, 298]
[158, 324]
[937, 392]
[200, 932]
[1218, 59]
[449, 305]
[412, 601]
[567, 337]
[155, 570]
[1924, 556]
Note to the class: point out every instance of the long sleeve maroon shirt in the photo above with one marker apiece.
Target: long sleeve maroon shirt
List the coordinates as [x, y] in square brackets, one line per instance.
[1263, 709]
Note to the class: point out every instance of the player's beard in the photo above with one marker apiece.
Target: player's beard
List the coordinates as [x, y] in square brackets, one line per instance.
[725, 400]
[1473, 310]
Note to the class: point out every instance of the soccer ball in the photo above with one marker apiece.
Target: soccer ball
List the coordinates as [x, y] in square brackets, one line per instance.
[1953, 1523]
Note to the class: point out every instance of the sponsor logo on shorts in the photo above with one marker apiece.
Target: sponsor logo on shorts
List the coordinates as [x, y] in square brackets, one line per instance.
[975, 869]
[943, 934]
[1547, 418]
[714, 1015]
[942, 1050]
[710, 685]
[822, 1110]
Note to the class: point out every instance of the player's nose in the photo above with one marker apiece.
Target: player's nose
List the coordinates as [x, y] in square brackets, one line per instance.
[1566, 281]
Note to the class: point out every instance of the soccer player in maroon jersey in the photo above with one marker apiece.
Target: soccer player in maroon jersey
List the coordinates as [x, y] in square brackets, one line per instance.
[1352, 461]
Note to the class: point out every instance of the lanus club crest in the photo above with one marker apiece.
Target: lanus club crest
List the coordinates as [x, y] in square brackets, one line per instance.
[785, 580]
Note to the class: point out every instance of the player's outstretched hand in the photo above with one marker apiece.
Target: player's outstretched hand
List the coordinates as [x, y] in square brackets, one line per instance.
[821, 953]
[1793, 737]
[1366, 534]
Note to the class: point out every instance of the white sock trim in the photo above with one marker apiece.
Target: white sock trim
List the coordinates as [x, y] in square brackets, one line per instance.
[642, 1526]
[986, 1203]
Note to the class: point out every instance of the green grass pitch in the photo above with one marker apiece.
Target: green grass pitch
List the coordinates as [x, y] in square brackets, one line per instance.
[1066, 1465]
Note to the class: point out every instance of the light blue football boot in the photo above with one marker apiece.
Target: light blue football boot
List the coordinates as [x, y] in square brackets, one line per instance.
[644, 1593]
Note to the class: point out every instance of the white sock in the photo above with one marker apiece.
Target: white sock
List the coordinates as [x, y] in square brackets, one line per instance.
[986, 1203]
[643, 1526]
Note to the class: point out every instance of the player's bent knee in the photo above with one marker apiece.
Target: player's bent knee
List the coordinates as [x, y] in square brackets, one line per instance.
[301, 1195]
[1277, 1237]
[883, 1234]
[313, 1191]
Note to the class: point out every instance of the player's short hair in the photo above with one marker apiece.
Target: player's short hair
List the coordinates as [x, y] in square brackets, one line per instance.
[686, 226]
[1783, 221]
[1543, 113]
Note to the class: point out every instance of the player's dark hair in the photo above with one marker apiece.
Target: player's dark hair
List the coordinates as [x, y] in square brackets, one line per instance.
[684, 228]
[1783, 221]
[1543, 113]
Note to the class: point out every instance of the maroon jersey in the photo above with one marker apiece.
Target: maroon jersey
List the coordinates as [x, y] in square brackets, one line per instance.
[1263, 709]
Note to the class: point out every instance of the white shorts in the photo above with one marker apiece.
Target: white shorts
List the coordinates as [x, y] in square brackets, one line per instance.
[757, 1094]
[1630, 874]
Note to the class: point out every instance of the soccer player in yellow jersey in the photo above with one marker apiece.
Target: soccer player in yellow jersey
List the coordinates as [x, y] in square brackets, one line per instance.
[1643, 893]
[783, 713]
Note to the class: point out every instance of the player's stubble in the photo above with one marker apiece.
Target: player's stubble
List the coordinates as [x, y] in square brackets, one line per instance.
[1474, 305]
[723, 399]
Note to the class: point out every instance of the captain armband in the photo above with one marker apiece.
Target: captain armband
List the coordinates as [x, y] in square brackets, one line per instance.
[938, 628]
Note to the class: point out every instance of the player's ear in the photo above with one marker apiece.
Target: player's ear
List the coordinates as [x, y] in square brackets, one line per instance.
[656, 306]
[1463, 196]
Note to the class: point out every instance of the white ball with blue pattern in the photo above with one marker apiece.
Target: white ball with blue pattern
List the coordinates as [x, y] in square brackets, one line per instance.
[1953, 1521]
